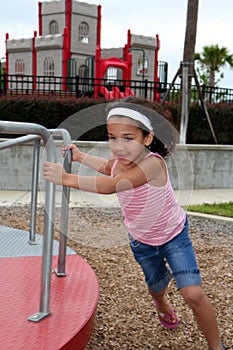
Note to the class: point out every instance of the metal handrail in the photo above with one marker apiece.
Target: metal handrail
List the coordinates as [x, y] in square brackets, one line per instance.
[60, 271]
[35, 175]
[17, 141]
[45, 135]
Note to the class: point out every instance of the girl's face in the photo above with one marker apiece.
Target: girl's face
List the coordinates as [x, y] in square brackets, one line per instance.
[127, 142]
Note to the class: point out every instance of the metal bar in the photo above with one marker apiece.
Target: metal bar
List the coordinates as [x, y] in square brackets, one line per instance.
[31, 128]
[35, 171]
[171, 86]
[184, 107]
[35, 176]
[204, 107]
[17, 141]
[60, 271]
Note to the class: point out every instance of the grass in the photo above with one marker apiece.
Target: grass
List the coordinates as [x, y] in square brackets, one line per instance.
[221, 209]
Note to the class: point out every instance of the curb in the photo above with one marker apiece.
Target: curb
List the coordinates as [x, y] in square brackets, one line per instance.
[210, 216]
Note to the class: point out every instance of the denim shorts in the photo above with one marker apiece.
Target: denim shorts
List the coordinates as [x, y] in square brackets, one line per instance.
[175, 258]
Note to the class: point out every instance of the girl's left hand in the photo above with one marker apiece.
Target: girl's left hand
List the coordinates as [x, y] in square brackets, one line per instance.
[53, 172]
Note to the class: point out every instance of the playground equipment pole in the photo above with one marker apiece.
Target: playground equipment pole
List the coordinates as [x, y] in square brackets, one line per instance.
[36, 129]
[156, 77]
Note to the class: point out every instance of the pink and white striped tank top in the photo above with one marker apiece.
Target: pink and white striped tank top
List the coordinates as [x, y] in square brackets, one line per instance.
[152, 215]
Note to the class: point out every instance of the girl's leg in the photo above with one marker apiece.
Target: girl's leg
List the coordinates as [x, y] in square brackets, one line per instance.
[204, 314]
[163, 305]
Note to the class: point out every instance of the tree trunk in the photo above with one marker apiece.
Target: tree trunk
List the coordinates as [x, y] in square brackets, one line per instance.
[191, 30]
[188, 63]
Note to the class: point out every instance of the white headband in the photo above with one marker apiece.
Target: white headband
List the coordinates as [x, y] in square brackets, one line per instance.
[131, 113]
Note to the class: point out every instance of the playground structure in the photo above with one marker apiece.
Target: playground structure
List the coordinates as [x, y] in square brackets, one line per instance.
[125, 65]
[69, 45]
[103, 64]
[73, 287]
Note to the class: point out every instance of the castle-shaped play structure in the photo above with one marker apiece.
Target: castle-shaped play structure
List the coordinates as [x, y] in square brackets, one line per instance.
[68, 44]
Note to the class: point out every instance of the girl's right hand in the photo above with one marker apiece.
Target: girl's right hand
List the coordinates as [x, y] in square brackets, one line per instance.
[76, 153]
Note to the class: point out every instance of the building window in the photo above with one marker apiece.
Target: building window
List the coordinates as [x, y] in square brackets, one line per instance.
[72, 67]
[19, 67]
[49, 67]
[83, 33]
[53, 28]
[111, 74]
[83, 71]
[142, 67]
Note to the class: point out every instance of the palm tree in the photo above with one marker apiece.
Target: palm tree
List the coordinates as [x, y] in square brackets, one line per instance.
[212, 59]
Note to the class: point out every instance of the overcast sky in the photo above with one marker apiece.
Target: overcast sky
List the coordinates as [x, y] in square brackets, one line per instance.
[167, 18]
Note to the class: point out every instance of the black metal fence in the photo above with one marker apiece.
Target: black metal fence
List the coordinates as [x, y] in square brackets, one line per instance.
[76, 87]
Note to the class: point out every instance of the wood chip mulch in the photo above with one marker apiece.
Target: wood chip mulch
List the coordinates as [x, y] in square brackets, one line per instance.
[126, 317]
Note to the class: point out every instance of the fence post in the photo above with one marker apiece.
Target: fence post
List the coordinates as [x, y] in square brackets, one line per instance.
[146, 88]
[5, 84]
[203, 91]
[77, 86]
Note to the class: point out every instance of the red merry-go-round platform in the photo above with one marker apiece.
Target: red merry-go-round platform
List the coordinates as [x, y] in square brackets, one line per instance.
[73, 299]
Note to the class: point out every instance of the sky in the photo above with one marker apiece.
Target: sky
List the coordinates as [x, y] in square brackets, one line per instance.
[167, 18]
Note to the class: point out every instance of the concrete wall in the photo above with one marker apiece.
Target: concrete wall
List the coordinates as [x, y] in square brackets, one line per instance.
[190, 167]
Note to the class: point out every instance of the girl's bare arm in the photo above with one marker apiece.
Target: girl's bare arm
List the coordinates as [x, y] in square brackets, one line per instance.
[134, 177]
[97, 163]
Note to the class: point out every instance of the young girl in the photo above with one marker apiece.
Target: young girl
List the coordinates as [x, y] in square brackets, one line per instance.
[157, 225]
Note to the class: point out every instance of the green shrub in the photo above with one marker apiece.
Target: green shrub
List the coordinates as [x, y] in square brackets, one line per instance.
[51, 112]
[48, 112]
[221, 116]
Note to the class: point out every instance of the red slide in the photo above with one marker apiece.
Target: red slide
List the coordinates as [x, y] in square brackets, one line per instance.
[115, 92]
